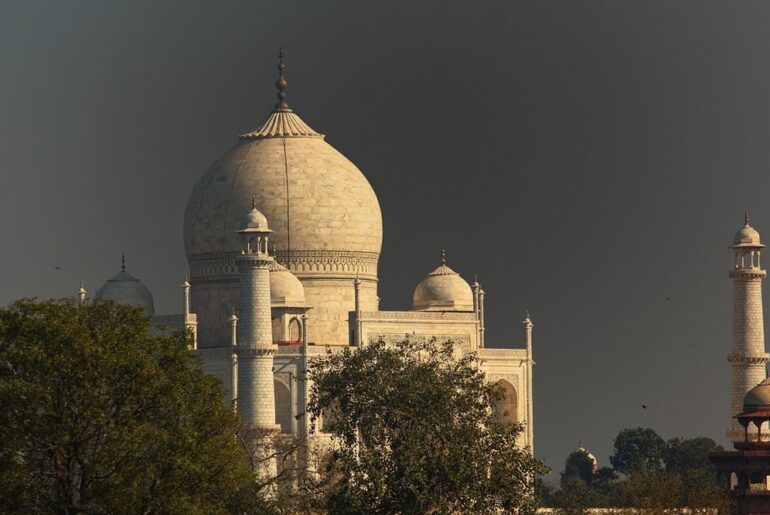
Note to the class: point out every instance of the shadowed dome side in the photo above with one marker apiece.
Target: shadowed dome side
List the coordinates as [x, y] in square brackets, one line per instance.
[758, 398]
[443, 290]
[124, 288]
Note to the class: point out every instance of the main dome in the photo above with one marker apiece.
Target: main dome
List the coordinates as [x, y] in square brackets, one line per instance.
[314, 198]
[324, 215]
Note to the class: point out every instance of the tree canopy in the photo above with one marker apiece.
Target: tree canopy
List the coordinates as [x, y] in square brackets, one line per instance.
[415, 432]
[648, 473]
[638, 447]
[100, 415]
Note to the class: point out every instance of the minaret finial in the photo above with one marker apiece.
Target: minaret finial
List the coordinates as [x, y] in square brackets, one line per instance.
[281, 83]
[123, 262]
[443, 257]
[253, 201]
[746, 217]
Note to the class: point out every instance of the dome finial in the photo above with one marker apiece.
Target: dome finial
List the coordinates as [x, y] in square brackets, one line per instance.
[443, 257]
[123, 262]
[746, 218]
[281, 83]
[253, 201]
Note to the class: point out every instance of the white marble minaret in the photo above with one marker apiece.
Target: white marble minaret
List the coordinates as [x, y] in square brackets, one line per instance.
[255, 348]
[748, 358]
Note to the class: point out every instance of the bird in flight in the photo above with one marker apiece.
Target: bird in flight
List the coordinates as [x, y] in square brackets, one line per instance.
[57, 268]
[644, 406]
[668, 299]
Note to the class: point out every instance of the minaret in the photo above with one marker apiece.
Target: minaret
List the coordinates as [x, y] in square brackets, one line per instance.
[190, 320]
[255, 348]
[528, 325]
[748, 358]
[81, 293]
[234, 363]
[357, 308]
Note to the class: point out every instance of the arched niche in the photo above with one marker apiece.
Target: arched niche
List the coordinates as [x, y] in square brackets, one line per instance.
[507, 408]
[282, 406]
[295, 330]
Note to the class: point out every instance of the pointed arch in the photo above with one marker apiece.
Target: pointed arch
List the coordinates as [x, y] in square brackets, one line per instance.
[282, 406]
[507, 408]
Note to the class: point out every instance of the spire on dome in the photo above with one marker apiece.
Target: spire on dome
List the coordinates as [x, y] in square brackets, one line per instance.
[123, 262]
[253, 201]
[443, 257]
[282, 122]
[746, 218]
[281, 83]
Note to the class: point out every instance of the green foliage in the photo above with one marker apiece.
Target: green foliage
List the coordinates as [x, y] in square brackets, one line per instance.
[100, 416]
[415, 432]
[638, 447]
[578, 465]
[650, 488]
[688, 479]
[576, 496]
[690, 453]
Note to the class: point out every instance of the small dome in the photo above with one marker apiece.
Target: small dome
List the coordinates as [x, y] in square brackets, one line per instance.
[758, 397]
[285, 289]
[443, 290]
[591, 457]
[126, 289]
[254, 220]
[747, 236]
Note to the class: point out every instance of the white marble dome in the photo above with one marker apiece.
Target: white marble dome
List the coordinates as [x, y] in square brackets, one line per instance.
[324, 215]
[443, 290]
[285, 289]
[331, 205]
[747, 236]
[126, 289]
[255, 221]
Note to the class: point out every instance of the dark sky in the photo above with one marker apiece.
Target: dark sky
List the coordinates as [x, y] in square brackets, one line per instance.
[587, 159]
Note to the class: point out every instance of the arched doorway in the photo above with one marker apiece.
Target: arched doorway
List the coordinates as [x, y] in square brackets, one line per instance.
[507, 408]
[282, 406]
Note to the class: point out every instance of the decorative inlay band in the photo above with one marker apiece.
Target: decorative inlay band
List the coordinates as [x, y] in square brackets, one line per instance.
[747, 360]
[303, 263]
[460, 340]
[252, 353]
[742, 273]
[466, 316]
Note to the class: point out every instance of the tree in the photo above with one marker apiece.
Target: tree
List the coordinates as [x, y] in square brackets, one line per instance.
[690, 453]
[638, 447]
[415, 432]
[650, 489]
[578, 465]
[100, 415]
[576, 497]
[688, 459]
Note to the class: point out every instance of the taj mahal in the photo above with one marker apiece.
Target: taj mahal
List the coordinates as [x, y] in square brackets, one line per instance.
[283, 237]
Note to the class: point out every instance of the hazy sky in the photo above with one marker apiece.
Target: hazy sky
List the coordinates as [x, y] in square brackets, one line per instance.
[587, 159]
